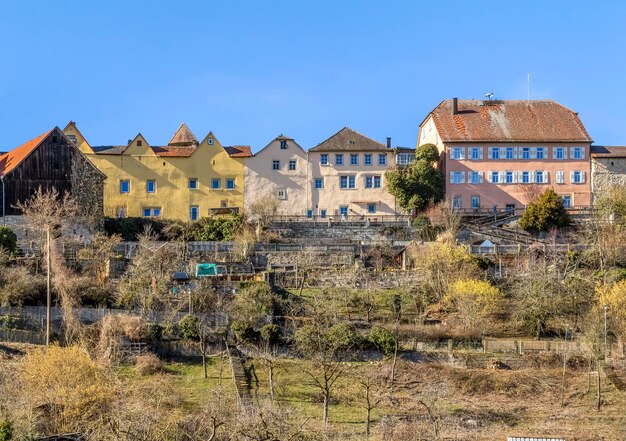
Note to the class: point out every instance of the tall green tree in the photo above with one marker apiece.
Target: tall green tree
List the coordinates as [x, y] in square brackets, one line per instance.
[420, 183]
[546, 212]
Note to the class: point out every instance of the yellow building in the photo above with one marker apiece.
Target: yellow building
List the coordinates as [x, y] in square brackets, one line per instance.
[185, 179]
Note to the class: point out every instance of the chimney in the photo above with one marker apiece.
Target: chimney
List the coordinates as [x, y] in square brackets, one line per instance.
[129, 141]
[455, 106]
[388, 142]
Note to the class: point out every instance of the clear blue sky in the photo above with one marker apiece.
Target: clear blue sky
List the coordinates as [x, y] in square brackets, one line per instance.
[251, 70]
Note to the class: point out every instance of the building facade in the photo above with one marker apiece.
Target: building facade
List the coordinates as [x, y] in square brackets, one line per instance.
[50, 161]
[184, 180]
[608, 168]
[498, 155]
[347, 177]
[279, 170]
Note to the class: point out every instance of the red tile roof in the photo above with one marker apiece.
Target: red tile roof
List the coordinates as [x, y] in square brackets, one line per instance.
[239, 151]
[509, 121]
[12, 159]
[173, 151]
[183, 136]
[349, 140]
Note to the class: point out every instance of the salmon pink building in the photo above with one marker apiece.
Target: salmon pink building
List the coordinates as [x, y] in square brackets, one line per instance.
[498, 155]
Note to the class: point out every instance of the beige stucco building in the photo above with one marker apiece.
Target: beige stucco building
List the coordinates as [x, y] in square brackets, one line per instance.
[278, 170]
[347, 177]
[500, 154]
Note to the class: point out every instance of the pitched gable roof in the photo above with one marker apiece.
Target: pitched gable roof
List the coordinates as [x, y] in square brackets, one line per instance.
[183, 137]
[238, 151]
[608, 151]
[348, 140]
[12, 159]
[509, 120]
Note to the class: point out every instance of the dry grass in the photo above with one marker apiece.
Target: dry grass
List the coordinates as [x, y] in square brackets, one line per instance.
[148, 364]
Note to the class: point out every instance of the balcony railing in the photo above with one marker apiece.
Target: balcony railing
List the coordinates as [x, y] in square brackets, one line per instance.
[348, 219]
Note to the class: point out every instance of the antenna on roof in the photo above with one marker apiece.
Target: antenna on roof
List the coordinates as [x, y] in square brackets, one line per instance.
[489, 95]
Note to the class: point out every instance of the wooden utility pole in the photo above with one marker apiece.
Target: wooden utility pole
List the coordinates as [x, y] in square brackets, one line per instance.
[48, 290]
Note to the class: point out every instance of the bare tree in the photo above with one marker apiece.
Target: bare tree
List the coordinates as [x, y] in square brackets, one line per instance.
[372, 398]
[261, 210]
[46, 213]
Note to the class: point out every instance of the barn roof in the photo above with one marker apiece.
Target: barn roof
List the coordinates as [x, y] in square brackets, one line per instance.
[12, 159]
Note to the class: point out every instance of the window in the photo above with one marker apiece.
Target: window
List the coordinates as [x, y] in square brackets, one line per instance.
[72, 138]
[475, 177]
[404, 158]
[525, 177]
[121, 212]
[377, 181]
[539, 152]
[475, 202]
[283, 144]
[382, 159]
[508, 177]
[281, 193]
[150, 186]
[193, 212]
[324, 159]
[368, 159]
[230, 184]
[152, 212]
[319, 183]
[193, 184]
[526, 153]
[216, 183]
[352, 181]
[476, 153]
[456, 202]
[292, 164]
[457, 177]
[457, 153]
[559, 153]
[371, 208]
[275, 164]
[495, 177]
[323, 213]
[309, 213]
[124, 186]
[495, 152]
[343, 210]
[509, 153]
[577, 177]
[347, 181]
[354, 159]
[577, 153]
[567, 201]
[539, 177]
[339, 159]
[369, 182]
[560, 177]
[224, 203]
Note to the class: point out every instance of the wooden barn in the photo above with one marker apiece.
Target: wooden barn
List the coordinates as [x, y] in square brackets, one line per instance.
[50, 161]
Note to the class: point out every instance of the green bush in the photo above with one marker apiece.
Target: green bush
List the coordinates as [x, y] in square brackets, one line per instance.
[343, 337]
[270, 333]
[243, 331]
[545, 213]
[188, 327]
[6, 430]
[9, 322]
[8, 240]
[131, 227]
[156, 331]
[383, 340]
[216, 228]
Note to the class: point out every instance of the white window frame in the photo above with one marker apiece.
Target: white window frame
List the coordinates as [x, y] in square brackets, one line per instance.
[477, 205]
[339, 159]
[494, 174]
[560, 177]
[281, 194]
[324, 159]
[275, 164]
[193, 208]
[368, 159]
[354, 156]
[228, 181]
[382, 159]
[292, 164]
[321, 181]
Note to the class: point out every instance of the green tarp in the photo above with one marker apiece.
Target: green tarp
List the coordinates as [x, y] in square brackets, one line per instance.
[206, 269]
